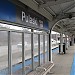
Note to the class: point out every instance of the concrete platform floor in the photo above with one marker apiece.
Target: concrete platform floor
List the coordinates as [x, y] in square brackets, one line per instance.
[63, 63]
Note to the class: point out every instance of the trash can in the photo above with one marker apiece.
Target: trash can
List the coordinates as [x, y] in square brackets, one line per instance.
[64, 49]
[74, 40]
[70, 43]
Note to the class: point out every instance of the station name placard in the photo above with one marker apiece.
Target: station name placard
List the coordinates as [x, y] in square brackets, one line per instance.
[22, 15]
[32, 20]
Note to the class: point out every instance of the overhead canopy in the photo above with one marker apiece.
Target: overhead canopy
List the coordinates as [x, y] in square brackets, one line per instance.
[64, 8]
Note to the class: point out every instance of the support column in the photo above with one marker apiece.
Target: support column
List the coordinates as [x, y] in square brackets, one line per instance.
[44, 48]
[56, 38]
[50, 50]
[72, 39]
[48, 47]
[23, 54]
[66, 45]
[9, 54]
[61, 42]
[32, 55]
[39, 48]
[69, 41]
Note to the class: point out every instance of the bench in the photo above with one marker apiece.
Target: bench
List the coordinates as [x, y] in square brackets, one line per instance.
[43, 69]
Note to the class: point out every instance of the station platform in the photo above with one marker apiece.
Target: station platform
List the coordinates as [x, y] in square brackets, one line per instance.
[63, 63]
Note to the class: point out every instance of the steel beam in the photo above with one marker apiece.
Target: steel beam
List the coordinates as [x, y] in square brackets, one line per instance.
[51, 11]
[69, 8]
[51, 3]
[47, 11]
[35, 7]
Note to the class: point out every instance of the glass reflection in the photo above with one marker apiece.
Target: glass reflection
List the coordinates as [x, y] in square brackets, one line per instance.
[3, 53]
[28, 62]
[16, 40]
[35, 50]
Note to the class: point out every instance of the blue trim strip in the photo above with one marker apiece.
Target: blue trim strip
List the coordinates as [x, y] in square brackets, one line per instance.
[73, 67]
[28, 62]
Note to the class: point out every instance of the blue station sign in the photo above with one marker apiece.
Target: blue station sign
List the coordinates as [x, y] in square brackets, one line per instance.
[22, 15]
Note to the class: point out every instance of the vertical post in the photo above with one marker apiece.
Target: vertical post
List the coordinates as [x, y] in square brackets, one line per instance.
[39, 48]
[9, 54]
[69, 41]
[23, 54]
[32, 55]
[50, 50]
[56, 38]
[44, 48]
[48, 47]
[72, 40]
[61, 42]
[66, 42]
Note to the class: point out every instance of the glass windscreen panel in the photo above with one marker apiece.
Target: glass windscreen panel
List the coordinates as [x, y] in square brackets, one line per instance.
[46, 48]
[35, 50]
[27, 48]
[3, 53]
[41, 50]
[16, 47]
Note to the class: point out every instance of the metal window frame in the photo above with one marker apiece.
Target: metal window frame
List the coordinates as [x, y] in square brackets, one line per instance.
[32, 54]
[41, 35]
[48, 48]
[23, 54]
[9, 54]
[43, 48]
[39, 48]
[10, 50]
